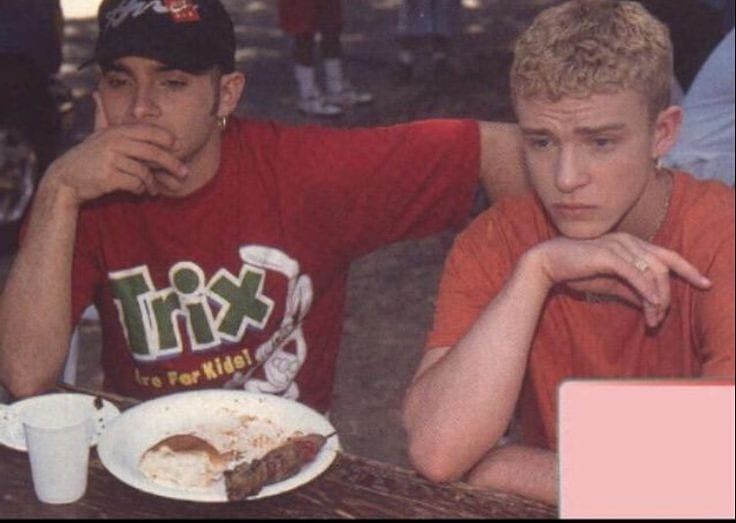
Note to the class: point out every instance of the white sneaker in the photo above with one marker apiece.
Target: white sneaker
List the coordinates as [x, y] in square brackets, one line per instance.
[317, 105]
[349, 96]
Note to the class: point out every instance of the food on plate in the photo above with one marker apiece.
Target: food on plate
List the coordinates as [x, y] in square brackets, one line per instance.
[278, 464]
[183, 459]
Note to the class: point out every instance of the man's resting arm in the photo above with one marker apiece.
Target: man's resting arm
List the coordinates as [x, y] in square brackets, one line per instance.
[529, 471]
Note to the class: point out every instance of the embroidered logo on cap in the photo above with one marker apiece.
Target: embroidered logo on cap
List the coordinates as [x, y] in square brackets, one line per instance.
[182, 10]
[179, 11]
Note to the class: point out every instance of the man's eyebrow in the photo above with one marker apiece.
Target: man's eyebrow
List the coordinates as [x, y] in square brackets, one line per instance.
[530, 130]
[578, 130]
[601, 129]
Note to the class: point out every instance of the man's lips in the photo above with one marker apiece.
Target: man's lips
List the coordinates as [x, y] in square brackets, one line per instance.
[572, 209]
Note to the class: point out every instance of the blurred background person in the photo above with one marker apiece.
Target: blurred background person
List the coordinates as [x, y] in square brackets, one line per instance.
[32, 100]
[696, 27]
[426, 23]
[705, 146]
[304, 20]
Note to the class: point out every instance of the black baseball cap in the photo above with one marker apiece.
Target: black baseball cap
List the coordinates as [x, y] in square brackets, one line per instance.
[191, 35]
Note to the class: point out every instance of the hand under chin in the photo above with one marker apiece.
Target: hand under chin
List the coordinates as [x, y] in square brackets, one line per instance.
[604, 288]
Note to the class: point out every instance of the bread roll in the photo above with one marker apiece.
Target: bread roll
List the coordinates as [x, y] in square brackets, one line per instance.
[183, 460]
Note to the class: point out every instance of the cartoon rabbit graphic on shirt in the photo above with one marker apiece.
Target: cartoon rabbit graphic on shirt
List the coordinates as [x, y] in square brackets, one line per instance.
[284, 353]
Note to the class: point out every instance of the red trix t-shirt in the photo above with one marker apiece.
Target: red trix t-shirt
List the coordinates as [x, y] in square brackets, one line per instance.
[241, 284]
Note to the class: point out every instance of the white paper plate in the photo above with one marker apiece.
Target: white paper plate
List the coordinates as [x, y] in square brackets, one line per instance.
[261, 421]
[11, 428]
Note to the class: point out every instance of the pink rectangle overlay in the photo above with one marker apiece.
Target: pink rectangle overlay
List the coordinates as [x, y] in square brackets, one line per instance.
[646, 448]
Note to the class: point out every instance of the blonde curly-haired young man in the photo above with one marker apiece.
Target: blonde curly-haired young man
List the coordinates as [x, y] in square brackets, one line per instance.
[612, 267]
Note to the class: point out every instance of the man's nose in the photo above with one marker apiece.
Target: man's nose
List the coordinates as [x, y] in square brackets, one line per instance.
[144, 104]
[571, 174]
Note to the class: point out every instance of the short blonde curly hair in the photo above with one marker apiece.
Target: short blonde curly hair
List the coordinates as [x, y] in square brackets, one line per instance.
[585, 47]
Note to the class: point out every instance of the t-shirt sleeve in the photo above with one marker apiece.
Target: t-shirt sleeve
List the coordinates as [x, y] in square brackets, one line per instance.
[359, 189]
[475, 270]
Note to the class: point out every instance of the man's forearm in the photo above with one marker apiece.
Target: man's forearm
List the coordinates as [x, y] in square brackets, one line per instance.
[458, 408]
[528, 471]
[35, 303]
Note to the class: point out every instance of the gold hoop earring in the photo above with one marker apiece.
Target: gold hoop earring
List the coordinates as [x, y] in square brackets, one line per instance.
[222, 122]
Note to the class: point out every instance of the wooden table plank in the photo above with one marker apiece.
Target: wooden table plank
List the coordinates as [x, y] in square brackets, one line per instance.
[352, 487]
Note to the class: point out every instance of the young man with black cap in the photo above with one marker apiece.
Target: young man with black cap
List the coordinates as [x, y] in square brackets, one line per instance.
[216, 249]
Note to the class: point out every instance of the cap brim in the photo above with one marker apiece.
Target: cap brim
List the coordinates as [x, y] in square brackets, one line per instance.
[184, 59]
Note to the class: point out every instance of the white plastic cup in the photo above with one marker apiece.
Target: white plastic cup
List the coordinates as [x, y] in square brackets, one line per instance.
[58, 429]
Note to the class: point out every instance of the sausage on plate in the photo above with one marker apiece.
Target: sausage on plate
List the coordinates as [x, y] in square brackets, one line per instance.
[280, 463]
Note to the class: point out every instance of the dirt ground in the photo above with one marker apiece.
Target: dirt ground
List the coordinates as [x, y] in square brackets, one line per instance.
[391, 291]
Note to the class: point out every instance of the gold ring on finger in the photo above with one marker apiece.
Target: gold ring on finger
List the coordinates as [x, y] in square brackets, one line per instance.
[641, 264]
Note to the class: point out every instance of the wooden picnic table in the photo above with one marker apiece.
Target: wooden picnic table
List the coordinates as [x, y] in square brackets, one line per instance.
[352, 487]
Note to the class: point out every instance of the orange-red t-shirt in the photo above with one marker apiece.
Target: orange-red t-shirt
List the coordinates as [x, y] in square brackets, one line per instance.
[576, 338]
